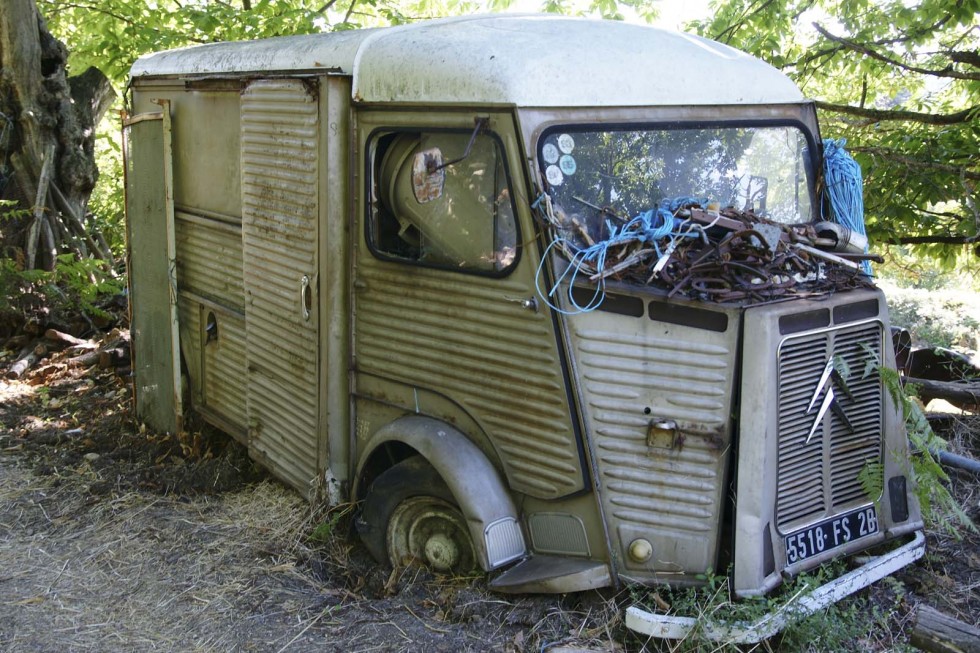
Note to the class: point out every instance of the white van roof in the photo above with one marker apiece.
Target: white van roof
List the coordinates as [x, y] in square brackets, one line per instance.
[502, 59]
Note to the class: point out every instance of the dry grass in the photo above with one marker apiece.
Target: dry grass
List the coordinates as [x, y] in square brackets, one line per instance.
[148, 572]
[92, 560]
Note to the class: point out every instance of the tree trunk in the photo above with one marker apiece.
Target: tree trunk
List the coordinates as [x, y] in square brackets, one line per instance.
[47, 140]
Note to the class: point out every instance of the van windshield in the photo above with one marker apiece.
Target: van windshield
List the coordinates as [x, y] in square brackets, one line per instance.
[593, 174]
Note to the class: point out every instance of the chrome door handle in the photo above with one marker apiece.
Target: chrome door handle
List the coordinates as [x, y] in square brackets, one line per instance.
[305, 297]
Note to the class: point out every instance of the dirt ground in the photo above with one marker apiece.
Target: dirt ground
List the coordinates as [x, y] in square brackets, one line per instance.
[114, 539]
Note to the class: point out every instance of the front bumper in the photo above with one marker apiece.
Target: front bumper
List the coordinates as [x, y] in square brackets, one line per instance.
[676, 627]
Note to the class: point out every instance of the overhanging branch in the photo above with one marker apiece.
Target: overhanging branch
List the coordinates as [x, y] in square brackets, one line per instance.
[883, 115]
[904, 159]
[948, 72]
[932, 240]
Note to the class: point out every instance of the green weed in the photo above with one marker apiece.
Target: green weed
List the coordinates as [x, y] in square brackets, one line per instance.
[849, 625]
[940, 510]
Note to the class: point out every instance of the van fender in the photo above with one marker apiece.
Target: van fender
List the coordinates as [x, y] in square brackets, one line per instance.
[476, 485]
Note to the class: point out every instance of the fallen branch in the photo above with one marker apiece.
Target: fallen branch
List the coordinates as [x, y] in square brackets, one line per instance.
[940, 633]
[85, 360]
[962, 394]
[28, 358]
[67, 340]
[114, 352]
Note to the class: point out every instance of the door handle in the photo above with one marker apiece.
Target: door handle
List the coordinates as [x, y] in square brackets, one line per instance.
[530, 303]
[305, 297]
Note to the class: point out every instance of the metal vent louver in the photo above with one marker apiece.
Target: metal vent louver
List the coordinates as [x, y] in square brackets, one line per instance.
[819, 478]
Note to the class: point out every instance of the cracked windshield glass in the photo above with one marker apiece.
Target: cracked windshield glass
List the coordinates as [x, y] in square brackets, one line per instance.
[603, 179]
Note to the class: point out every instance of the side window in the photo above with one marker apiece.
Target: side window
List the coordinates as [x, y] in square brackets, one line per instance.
[460, 216]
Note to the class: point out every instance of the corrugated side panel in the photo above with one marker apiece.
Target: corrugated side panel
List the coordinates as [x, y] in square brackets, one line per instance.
[224, 370]
[632, 374]
[218, 369]
[189, 315]
[820, 478]
[209, 266]
[458, 335]
[209, 261]
[279, 188]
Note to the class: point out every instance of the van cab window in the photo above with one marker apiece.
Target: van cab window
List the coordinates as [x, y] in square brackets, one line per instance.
[595, 172]
[434, 206]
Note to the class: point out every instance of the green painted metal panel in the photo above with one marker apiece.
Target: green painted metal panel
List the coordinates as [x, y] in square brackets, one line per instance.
[153, 283]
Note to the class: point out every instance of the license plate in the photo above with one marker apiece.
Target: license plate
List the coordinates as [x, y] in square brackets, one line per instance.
[830, 534]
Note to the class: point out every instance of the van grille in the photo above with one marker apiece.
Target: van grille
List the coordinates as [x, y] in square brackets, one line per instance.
[819, 478]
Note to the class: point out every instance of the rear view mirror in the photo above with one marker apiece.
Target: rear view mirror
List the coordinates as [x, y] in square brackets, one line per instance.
[428, 175]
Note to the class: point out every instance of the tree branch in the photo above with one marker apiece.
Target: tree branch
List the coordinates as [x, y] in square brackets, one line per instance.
[734, 27]
[971, 58]
[41, 194]
[959, 171]
[947, 72]
[882, 115]
[908, 36]
[350, 10]
[932, 240]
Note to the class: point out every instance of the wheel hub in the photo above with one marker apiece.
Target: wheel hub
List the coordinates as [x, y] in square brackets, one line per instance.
[431, 531]
[441, 553]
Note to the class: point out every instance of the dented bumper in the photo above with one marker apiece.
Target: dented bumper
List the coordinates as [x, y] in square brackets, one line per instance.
[677, 627]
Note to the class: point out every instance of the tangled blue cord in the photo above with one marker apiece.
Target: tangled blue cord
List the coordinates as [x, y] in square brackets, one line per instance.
[844, 188]
[650, 227]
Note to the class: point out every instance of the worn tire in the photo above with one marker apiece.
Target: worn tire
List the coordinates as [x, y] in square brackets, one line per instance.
[409, 512]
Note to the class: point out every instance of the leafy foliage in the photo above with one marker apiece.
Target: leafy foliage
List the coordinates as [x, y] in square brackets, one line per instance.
[75, 286]
[939, 508]
[901, 82]
[112, 34]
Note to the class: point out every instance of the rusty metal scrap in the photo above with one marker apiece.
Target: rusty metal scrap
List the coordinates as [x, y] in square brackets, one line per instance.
[725, 256]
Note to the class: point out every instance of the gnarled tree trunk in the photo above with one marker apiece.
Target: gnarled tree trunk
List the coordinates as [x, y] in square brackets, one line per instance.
[47, 134]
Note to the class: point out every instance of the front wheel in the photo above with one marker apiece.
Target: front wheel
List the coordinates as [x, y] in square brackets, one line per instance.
[409, 513]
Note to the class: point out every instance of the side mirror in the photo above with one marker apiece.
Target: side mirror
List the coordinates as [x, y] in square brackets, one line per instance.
[428, 175]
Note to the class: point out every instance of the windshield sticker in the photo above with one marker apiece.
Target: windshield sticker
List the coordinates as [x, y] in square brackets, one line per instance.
[566, 143]
[567, 165]
[550, 153]
[554, 175]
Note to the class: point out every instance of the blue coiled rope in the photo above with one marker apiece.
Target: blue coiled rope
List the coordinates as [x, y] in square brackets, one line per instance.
[650, 228]
[844, 188]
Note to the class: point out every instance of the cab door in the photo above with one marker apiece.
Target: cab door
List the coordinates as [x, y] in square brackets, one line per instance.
[445, 317]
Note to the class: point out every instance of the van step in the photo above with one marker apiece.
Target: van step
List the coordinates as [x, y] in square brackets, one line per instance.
[548, 574]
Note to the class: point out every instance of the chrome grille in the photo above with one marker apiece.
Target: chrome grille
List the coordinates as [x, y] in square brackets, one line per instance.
[819, 478]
